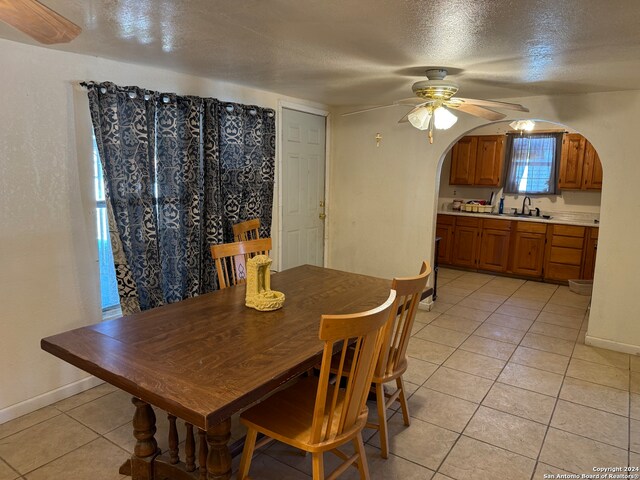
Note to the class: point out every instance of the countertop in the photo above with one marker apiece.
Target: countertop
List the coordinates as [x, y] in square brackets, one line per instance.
[563, 218]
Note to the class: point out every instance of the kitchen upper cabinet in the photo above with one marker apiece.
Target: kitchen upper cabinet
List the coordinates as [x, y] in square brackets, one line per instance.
[444, 229]
[571, 161]
[580, 167]
[477, 160]
[528, 249]
[489, 160]
[592, 171]
[465, 242]
[463, 161]
[494, 245]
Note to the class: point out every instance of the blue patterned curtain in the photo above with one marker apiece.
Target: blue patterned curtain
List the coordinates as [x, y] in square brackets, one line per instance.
[177, 185]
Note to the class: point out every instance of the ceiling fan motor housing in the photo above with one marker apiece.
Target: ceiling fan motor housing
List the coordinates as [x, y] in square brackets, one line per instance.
[435, 89]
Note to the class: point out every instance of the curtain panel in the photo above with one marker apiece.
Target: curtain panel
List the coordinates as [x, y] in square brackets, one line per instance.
[179, 171]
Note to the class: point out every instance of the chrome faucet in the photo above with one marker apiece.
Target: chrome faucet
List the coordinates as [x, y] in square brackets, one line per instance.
[524, 205]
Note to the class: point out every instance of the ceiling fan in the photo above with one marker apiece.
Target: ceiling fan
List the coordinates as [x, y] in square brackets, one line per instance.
[435, 98]
[38, 21]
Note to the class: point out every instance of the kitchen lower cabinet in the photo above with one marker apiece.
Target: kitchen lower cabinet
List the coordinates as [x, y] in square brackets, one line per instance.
[494, 245]
[590, 251]
[564, 254]
[528, 249]
[444, 229]
[465, 242]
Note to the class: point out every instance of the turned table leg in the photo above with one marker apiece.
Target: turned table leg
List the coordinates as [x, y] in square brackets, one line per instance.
[219, 456]
[146, 448]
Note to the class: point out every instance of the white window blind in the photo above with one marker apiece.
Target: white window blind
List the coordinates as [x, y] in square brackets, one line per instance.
[532, 163]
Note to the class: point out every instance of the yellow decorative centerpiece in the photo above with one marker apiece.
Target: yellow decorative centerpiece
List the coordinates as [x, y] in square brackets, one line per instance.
[259, 294]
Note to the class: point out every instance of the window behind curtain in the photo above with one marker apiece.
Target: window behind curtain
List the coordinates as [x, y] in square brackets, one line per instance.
[108, 286]
[532, 161]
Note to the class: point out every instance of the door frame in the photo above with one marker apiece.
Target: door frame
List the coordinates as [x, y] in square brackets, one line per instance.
[282, 104]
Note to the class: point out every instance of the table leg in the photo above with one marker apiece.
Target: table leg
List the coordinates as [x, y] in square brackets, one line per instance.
[146, 448]
[219, 456]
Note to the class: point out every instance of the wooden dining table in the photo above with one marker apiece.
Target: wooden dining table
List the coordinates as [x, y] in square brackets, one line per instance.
[205, 358]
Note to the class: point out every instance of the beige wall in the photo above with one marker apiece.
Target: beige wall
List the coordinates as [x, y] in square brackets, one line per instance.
[48, 273]
[384, 199]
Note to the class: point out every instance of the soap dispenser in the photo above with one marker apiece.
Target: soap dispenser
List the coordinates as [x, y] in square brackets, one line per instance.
[501, 206]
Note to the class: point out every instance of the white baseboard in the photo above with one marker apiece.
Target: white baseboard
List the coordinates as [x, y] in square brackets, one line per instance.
[612, 345]
[426, 304]
[33, 404]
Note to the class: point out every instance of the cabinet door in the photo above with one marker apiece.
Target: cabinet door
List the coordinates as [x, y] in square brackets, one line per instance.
[463, 161]
[465, 246]
[591, 249]
[494, 250]
[489, 160]
[445, 232]
[592, 171]
[528, 254]
[571, 161]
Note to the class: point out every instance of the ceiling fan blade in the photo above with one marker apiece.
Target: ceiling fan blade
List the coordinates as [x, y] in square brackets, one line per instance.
[477, 111]
[490, 103]
[410, 101]
[38, 21]
[368, 109]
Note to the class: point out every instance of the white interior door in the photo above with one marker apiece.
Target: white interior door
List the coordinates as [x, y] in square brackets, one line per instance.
[303, 165]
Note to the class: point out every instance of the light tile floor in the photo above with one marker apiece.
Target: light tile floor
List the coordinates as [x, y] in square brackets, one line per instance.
[501, 386]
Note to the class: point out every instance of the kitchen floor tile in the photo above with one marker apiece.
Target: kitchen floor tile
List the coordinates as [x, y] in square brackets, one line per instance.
[596, 373]
[554, 331]
[520, 312]
[532, 379]
[489, 297]
[6, 472]
[597, 396]
[634, 440]
[507, 431]
[560, 320]
[475, 364]
[84, 397]
[421, 443]
[474, 460]
[468, 313]
[634, 410]
[523, 403]
[551, 362]
[26, 421]
[426, 317]
[488, 347]
[444, 336]
[46, 441]
[527, 303]
[591, 423]
[510, 322]
[502, 334]
[478, 304]
[428, 351]
[634, 382]
[459, 384]
[635, 363]
[602, 356]
[418, 371]
[575, 312]
[449, 412]
[548, 344]
[392, 467]
[579, 454]
[106, 413]
[543, 469]
[456, 323]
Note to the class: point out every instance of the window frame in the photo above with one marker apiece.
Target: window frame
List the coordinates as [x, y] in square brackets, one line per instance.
[511, 184]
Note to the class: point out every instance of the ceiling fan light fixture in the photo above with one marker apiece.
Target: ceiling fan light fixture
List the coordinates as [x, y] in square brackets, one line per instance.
[443, 118]
[420, 118]
[523, 125]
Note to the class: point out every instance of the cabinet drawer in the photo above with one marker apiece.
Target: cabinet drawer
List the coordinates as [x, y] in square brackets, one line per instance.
[446, 219]
[467, 222]
[568, 242]
[568, 230]
[567, 256]
[531, 227]
[496, 224]
[558, 271]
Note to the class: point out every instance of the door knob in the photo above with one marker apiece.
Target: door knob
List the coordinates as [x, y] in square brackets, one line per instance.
[322, 216]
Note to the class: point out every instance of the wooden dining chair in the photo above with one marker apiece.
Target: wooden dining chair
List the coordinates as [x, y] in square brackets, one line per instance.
[392, 362]
[316, 416]
[231, 259]
[249, 230]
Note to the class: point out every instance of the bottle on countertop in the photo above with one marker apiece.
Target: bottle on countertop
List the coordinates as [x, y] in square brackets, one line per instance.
[501, 205]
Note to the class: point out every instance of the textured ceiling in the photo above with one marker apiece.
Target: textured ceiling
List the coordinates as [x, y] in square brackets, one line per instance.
[348, 52]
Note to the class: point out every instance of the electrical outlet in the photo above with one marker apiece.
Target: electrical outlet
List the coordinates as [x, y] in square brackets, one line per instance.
[455, 193]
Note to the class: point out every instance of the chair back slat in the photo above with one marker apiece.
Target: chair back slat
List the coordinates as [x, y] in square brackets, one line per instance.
[396, 339]
[231, 258]
[249, 230]
[336, 413]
